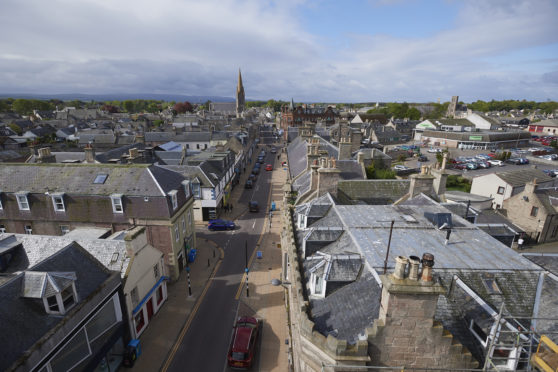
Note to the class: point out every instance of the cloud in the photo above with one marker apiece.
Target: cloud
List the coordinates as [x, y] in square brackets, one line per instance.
[195, 48]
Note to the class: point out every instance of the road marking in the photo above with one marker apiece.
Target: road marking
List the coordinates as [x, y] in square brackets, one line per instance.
[254, 224]
[192, 314]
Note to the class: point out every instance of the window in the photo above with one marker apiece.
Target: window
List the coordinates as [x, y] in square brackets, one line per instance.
[100, 178]
[102, 321]
[53, 304]
[58, 202]
[73, 353]
[2, 229]
[117, 203]
[22, 202]
[68, 297]
[534, 211]
[198, 146]
[159, 295]
[478, 332]
[176, 233]
[186, 188]
[318, 288]
[491, 285]
[174, 199]
[156, 271]
[28, 229]
[64, 229]
[183, 225]
[1, 201]
[196, 190]
[501, 190]
[134, 296]
[139, 320]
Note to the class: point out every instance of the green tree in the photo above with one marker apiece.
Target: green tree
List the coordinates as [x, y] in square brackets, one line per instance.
[22, 106]
[372, 172]
[413, 114]
[129, 106]
[15, 128]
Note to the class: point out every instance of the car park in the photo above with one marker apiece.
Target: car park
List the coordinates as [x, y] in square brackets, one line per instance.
[269, 167]
[523, 161]
[253, 206]
[219, 225]
[434, 150]
[496, 162]
[249, 184]
[483, 164]
[243, 343]
[460, 166]
[471, 166]
[548, 157]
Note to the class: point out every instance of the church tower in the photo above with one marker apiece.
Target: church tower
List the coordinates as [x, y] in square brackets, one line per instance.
[239, 96]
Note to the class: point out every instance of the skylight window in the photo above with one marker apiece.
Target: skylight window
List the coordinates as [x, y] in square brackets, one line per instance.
[491, 285]
[100, 179]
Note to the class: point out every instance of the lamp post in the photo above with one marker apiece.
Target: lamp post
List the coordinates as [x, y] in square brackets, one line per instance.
[246, 270]
[189, 284]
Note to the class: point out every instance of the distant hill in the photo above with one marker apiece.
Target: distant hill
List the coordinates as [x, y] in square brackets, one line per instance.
[119, 97]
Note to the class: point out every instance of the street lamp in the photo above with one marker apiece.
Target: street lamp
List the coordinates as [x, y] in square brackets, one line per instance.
[189, 284]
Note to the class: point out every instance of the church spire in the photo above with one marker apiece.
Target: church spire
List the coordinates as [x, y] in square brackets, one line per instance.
[239, 95]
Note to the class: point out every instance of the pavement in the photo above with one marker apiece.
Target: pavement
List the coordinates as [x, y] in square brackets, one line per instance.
[265, 301]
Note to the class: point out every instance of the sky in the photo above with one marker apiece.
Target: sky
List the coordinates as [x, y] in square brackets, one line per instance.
[308, 50]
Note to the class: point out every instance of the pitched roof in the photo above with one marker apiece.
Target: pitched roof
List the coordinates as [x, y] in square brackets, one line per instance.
[521, 177]
[373, 191]
[296, 155]
[130, 180]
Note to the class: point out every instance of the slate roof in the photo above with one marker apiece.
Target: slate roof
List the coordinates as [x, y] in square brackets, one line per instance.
[36, 248]
[195, 137]
[350, 170]
[169, 157]
[190, 172]
[523, 176]
[546, 123]
[9, 155]
[158, 136]
[296, 155]
[26, 317]
[548, 198]
[302, 183]
[373, 192]
[170, 146]
[346, 312]
[117, 153]
[332, 151]
[101, 138]
[130, 180]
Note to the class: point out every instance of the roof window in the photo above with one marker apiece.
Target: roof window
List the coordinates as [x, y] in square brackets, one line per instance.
[100, 178]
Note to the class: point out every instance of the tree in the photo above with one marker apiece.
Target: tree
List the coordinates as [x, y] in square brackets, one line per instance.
[110, 108]
[15, 128]
[129, 106]
[182, 107]
[22, 106]
[413, 113]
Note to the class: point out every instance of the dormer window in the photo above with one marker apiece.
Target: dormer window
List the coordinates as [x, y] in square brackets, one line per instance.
[57, 290]
[58, 202]
[186, 188]
[117, 206]
[22, 200]
[174, 199]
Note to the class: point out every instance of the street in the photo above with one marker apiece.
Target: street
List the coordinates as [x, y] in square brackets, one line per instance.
[206, 342]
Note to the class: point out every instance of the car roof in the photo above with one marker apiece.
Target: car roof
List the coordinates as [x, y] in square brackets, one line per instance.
[242, 339]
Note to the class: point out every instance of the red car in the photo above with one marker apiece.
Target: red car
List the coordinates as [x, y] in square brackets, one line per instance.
[269, 167]
[243, 343]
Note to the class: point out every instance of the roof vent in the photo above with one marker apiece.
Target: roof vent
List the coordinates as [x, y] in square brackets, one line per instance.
[439, 219]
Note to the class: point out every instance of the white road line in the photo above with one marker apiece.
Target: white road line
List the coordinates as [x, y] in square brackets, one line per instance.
[254, 224]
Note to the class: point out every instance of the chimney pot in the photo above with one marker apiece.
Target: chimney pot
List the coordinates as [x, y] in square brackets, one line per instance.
[414, 263]
[427, 264]
[400, 267]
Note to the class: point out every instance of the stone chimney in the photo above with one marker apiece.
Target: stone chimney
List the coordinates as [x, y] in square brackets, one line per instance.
[328, 177]
[89, 153]
[356, 139]
[405, 335]
[219, 148]
[345, 149]
[312, 155]
[314, 175]
[140, 138]
[135, 240]
[45, 156]
[531, 187]
[421, 183]
[440, 177]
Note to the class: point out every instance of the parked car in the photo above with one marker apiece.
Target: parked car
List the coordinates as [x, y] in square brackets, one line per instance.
[434, 150]
[515, 161]
[460, 166]
[253, 177]
[218, 225]
[256, 170]
[269, 167]
[523, 161]
[273, 150]
[422, 158]
[496, 162]
[249, 184]
[471, 166]
[261, 159]
[483, 164]
[243, 343]
[401, 167]
[253, 206]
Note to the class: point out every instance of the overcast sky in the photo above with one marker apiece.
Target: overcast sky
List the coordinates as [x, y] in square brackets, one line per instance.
[311, 50]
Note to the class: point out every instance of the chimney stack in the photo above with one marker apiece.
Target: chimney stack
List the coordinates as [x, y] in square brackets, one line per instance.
[345, 149]
[89, 153]
[531, 187]
[45, 156]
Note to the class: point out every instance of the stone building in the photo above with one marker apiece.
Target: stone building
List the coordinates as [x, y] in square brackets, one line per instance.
[351, 306]
[52, 199]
